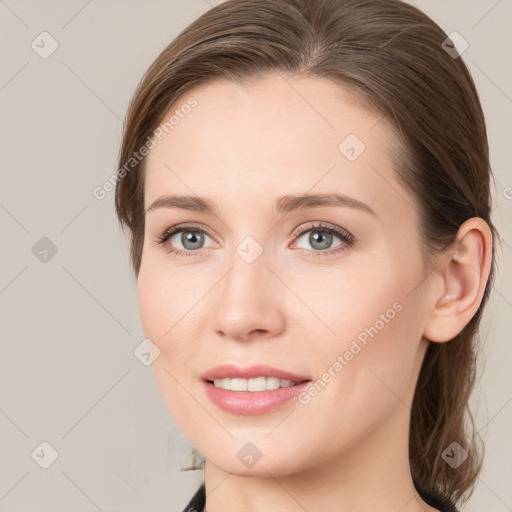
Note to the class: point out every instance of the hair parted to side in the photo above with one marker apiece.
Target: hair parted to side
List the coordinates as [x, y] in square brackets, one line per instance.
[389, 55]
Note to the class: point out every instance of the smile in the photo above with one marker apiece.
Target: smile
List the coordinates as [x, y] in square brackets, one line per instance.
[254, 384]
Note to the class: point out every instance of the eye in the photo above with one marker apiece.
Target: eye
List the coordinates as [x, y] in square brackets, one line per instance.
[321, 237]
[188, 240]
[190, 237]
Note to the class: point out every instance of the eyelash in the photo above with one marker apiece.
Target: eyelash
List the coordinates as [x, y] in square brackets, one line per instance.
[346, 238]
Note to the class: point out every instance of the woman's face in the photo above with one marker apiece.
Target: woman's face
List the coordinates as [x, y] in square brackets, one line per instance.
[265, 281]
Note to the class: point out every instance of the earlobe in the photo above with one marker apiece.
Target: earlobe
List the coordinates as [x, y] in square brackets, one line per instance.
[463, 278]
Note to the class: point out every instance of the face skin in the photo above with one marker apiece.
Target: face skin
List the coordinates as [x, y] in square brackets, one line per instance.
[243, 148]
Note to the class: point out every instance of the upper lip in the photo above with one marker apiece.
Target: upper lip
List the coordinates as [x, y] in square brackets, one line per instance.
[259, 370]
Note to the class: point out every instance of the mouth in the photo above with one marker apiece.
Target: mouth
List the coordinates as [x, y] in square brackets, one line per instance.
[252, 402]
[254, 384]
[254, 390]
[253, 373]
[249, 391]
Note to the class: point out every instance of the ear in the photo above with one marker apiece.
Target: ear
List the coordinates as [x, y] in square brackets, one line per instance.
[459, 281]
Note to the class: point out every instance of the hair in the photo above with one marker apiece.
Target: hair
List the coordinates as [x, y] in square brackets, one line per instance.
[390, 56]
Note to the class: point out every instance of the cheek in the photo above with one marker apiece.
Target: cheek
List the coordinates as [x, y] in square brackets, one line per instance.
[341, 304]
[165, 303]
[152, 306]
[367, 335]
[162, 305]
[170, 312]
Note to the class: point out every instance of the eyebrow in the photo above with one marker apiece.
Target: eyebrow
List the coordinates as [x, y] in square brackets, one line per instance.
[284, 204]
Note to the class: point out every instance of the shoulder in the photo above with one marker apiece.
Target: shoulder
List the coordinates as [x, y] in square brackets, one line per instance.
[196, 504]
[442, 503]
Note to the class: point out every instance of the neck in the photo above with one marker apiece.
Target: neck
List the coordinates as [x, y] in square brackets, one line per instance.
[372, 474]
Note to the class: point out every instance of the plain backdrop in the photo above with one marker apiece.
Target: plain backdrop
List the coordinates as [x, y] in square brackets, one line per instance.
[73, 396]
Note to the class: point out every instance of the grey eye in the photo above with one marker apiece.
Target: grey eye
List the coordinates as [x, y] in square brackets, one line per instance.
[191, 240]
[319, 239]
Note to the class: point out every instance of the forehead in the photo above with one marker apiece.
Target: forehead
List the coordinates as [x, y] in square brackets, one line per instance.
[277, 135]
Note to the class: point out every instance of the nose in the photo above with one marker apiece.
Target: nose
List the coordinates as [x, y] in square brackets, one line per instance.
[247, 302]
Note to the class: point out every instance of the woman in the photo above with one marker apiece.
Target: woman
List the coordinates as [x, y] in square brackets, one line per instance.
[306, 188]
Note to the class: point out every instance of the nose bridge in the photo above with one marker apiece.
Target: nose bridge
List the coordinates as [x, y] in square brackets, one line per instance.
[245, 283]
[247, 299]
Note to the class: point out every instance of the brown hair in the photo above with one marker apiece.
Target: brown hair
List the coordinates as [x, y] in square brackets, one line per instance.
[389, 55]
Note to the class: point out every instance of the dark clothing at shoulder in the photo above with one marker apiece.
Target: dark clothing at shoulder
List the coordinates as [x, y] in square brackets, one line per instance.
[442, 503]
[196, 504]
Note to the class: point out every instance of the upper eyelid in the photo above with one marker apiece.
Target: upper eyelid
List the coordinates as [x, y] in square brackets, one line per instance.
[319, 225]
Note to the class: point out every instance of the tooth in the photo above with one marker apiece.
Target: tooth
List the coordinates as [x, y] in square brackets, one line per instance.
[238, 384]
[257, 384]
[273, 382]
[254, 384]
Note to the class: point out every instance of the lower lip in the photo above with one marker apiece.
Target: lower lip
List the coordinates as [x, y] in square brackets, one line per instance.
[251, 402]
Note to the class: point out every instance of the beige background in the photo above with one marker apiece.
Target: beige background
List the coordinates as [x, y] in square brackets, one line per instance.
[70, 324]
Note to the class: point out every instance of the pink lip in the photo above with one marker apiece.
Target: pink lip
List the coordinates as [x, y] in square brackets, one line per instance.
[229, 370]
[251, 402]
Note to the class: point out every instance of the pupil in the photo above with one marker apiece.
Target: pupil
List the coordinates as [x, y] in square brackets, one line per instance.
[317, 236]
[194, 238]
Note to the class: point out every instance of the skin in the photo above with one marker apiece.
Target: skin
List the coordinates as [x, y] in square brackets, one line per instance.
[243, 147]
